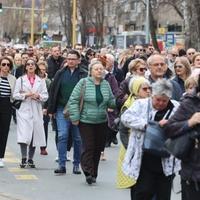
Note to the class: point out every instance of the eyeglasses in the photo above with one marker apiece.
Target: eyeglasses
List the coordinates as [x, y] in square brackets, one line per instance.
[178, 66]
[31, 63]
[71, 58]
[142, 69]
[158, 64]
[5, 64]
[146, 88]
[191, 53]
[139, 50]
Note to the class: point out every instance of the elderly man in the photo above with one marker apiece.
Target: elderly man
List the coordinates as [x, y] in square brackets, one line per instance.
[158, 69]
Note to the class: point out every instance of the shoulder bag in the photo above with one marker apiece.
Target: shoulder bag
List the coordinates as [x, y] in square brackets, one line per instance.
[17, 103]
[155, 137]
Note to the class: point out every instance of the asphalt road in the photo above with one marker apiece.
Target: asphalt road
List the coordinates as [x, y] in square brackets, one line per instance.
[42, 184]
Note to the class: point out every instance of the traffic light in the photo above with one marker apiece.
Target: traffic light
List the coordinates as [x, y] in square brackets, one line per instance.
[1, 9]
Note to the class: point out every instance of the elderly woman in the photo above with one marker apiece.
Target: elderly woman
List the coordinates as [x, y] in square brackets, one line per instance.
[31, 89]
[186, 118]
[7, 83]
[153, 174]
[92, 119]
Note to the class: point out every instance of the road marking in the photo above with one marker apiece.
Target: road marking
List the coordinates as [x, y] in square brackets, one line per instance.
[17, 170]
[11, 160]
[26, 177]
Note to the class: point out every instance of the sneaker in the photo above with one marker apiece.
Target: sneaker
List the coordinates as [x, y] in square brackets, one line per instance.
[94, 179]
[57, 159]
[1, 163]
[60, 171]
[115, 141]
[23, 163]
[31, 163]
[76, 170]
[43, 152]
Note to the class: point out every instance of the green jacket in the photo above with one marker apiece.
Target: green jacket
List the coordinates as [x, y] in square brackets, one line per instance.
[91, 112]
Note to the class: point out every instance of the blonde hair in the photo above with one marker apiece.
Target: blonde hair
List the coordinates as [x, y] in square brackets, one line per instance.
[134, 64]
[190, 80]
[194, 57]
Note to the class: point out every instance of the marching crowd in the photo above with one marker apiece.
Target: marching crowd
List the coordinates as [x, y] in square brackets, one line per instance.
[90, 96]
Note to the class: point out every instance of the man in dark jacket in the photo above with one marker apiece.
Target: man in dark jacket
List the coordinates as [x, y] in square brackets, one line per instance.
[61, 89]
[54, 62]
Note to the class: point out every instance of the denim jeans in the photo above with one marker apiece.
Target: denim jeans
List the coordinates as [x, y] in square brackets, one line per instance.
[63, 126]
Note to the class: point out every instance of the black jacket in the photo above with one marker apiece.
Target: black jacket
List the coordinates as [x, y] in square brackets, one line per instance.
[55, 86]
[54, 66]
[178, 125]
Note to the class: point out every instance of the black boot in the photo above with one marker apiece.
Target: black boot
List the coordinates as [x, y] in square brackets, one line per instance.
[23, 163]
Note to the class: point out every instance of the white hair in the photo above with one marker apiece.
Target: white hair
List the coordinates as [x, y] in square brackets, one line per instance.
[162, 87]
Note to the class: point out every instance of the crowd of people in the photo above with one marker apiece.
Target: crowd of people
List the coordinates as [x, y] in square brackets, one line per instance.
[90, 96]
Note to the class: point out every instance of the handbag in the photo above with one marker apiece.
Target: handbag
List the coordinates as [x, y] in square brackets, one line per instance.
[17, 103]
[155, 138]
[181, 146]
[82, 92]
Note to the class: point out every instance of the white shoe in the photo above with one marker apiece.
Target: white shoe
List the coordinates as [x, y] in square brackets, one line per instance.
[1, 163]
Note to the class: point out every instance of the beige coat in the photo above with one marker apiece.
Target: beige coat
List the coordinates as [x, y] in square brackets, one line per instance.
[29, 115]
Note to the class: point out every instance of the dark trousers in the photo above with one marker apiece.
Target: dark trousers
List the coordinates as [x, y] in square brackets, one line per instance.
[5, 119]
[150, 183]
[190, 190]
[93, 140]
[46, 119]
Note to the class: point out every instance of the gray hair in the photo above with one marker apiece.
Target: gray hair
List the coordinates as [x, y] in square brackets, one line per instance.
[162, 87]
[91, 65]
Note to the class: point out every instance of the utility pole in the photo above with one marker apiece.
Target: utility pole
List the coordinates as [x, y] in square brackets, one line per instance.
[32, 21]
[147, 22]
[74, 24]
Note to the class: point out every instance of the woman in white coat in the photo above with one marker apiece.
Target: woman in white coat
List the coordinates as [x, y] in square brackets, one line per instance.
[31, 89]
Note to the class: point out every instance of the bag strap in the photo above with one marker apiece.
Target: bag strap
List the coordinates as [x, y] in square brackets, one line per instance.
[82, 92]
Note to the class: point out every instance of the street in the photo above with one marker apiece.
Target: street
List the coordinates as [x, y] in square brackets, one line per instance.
[42, 184]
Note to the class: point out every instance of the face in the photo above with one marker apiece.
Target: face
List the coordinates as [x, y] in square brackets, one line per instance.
[197, 62]
[55, 52]
[180, 69]
[72, 60]
[190, 53]
[138, 50]
[41, 59]
[141, 69]
[158, 67]
[144, 91]
[42, 70]
[30, 66]
[5, 66]
[79, 48]
[97, 71]
[18, 61]
[24, 58]
[160, 102]
[190, 88]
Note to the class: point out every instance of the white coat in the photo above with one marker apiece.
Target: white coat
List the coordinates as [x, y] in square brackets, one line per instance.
[29, 115]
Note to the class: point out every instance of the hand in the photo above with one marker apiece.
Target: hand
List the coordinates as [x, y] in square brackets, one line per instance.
[44, 111]
[194, 120]
[76, 123]
[163, 122]
[30, 94]
[51, 115]
[35, 96]
[110, 110]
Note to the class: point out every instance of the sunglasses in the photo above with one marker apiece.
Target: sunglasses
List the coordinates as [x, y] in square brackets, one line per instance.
[178, 66]
[192, 53]
[5, 64]
[142, 69]
[174, 55]
[146, 88]
[139, 50]
[32, 63]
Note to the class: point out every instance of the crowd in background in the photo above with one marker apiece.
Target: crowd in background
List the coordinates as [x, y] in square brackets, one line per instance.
[90, 96]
